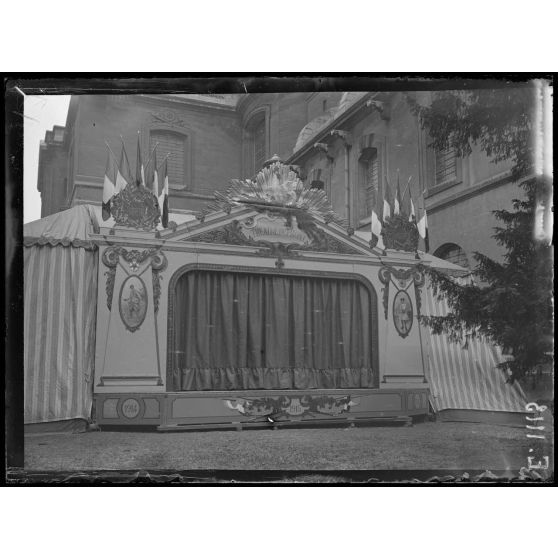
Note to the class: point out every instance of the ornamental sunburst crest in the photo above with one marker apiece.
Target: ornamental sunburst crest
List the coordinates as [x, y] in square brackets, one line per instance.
[276, 186]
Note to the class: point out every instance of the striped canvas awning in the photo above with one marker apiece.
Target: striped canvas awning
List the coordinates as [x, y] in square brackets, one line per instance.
[467, 378]
[60, 294]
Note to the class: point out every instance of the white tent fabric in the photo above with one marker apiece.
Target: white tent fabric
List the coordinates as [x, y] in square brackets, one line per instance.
[60, 294]
[467, 378]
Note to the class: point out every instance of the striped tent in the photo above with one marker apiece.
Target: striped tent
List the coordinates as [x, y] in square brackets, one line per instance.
[60, 294]
[467, 378]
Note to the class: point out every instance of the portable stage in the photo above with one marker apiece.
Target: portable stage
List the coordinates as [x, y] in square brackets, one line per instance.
[264, 310]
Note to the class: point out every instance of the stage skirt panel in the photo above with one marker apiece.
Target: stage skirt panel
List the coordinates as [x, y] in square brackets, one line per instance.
[225, 379]
[250, 331]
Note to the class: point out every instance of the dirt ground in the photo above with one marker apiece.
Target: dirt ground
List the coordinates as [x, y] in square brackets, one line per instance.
[457, 446]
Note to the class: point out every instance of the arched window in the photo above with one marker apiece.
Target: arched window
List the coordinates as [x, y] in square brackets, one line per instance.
[176, 146]
[256, 142]
[452, 253]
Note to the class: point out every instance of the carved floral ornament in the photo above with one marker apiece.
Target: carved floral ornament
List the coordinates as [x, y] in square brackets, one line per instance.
[167, 116]
[134, 258]
[285, 406]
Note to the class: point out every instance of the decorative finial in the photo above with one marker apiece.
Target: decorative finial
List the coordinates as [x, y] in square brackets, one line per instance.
[274, 159]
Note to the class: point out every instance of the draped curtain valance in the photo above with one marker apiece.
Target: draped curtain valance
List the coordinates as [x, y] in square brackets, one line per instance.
[249, 331]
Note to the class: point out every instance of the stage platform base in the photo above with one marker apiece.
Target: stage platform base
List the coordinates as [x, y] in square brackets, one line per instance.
[272, 425]
[192, 410]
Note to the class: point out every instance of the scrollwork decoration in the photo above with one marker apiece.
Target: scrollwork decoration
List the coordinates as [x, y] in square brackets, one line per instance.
[168, 117]
[284, 406]
[384, 277]
[415, 274]
[158, 264]
[133, 258]
[232, 233]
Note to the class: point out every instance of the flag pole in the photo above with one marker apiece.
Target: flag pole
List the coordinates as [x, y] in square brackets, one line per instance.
[113, 155]
[406, 187]
[164, 159]
[149, 160]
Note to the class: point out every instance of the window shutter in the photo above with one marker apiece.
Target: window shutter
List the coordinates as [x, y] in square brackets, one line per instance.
[259, 145]
[446, 165]
[372, 182]
[173, 144]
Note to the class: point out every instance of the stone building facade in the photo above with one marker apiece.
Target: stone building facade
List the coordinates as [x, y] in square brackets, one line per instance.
[345, 143]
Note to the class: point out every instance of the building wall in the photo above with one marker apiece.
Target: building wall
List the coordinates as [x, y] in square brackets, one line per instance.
[213, 147]
[459, 212]
[285, 115]
[52, 175]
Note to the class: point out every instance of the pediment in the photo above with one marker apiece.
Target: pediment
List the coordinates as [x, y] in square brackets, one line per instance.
[274, 213]
[275, 229]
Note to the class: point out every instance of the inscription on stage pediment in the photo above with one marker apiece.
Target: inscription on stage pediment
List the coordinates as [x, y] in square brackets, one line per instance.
[266, 228]
[275, 232]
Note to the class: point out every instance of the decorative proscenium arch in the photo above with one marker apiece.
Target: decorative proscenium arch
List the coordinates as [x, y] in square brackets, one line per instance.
[270, 271]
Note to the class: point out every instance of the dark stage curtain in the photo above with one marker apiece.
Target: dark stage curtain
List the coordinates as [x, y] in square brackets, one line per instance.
[235, 331]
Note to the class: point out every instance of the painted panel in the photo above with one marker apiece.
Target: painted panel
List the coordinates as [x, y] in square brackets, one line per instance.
[139, 358]
[109, 408]
[402, 313]
[152, 408]
[200, 407]
[380, 402]
[132, 302]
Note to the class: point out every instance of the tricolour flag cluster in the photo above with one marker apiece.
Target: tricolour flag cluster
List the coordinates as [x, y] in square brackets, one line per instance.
[384, 206]
[118, 175]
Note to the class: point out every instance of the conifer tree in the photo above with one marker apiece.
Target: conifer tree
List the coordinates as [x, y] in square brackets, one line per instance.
[509, 302]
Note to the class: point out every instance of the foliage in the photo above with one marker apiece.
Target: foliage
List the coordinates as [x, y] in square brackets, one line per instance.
[510, 302]
[500, 121]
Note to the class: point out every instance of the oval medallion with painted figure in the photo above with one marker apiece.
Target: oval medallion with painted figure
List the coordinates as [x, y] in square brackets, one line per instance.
[133, 302]
[402, 313]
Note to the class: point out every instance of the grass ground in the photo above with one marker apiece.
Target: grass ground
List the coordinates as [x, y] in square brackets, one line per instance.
[426, 446]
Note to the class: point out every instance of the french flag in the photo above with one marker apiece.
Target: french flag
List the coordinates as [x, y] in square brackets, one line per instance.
[164, 197]
[109, 187]
[422, 227]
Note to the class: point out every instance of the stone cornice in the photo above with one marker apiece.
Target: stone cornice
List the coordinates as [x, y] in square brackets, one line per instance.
[432, 206]
[191, 103]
